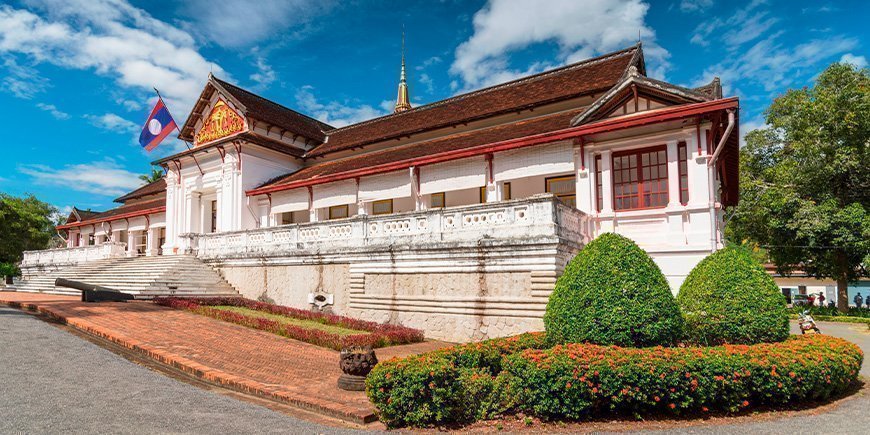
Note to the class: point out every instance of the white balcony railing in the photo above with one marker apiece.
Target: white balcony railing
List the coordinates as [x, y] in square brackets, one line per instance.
[68, 256]
[540, 216]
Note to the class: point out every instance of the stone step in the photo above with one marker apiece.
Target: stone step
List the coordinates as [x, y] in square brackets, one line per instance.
[144, 277]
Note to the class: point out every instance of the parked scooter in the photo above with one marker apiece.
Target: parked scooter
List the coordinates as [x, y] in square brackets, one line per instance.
[807, 323]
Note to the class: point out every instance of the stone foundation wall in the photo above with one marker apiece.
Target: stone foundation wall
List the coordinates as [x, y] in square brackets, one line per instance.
[290, 285]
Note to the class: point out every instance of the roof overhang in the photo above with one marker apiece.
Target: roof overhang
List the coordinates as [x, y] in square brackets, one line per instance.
[250, 137]
[603, 126]
[122, 216]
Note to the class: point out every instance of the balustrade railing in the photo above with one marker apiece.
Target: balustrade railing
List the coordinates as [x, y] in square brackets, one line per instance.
[81, 254]
[538, 216]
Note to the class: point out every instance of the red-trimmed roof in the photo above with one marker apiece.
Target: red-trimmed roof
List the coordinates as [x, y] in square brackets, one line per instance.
[152, 188]
[125, 211]
[535, 131]
[582, 78]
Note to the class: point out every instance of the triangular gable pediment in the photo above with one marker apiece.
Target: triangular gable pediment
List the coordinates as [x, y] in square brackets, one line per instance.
[217, 112]
[636, 93]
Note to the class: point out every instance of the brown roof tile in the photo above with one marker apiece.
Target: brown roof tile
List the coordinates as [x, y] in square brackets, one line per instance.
[120, 211]
[276, 114]
[582, 78]
[148, 189]
[459, 141]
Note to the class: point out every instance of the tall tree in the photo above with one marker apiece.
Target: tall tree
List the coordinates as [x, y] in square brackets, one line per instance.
[25, 224]
[156, 174]
[805, 180]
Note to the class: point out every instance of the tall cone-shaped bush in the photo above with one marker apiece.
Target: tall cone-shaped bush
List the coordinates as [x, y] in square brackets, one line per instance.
[613, 293]
[729, 298]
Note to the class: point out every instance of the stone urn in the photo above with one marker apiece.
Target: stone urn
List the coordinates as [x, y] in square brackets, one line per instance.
[356, 362]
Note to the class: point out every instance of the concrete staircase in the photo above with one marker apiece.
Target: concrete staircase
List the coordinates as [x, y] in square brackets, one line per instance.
[143, 277]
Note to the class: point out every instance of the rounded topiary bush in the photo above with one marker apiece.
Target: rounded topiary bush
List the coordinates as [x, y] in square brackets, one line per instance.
[613, 293]
[729, 298]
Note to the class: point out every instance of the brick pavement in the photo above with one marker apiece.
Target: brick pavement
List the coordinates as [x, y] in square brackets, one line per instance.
[235, 356]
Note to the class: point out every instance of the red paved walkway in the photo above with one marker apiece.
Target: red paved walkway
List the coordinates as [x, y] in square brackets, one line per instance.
[239, 357]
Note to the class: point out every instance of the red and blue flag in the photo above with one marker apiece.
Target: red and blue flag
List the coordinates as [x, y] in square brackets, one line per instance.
[157, 127]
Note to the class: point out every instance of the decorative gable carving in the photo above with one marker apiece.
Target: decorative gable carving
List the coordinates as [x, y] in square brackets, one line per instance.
[221, 122]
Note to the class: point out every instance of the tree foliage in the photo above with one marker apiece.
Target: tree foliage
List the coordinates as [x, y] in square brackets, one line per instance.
[805, 183]
[26, 223]
[613, 293]
[156, 174]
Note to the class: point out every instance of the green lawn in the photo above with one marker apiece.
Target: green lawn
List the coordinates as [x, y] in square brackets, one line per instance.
[291, 321]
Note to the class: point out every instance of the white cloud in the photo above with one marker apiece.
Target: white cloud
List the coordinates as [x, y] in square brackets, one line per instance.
[265, 75]
[746, 24]
[434, 60]
[858, 61]
[113, 123]
[695, 5]
[338, 114]
[53, 110]
[772, 65]
[580, 29]
[112, 38]
[239, 23]
[103, 177]
[22, 81]
[426, 81]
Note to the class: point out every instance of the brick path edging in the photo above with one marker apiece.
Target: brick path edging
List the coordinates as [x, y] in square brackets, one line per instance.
[202, 372]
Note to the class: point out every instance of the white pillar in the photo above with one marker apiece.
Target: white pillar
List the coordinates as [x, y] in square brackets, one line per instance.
[673, 175]
[419, 204]
[312, 212]
[606, 183]
[582, 180]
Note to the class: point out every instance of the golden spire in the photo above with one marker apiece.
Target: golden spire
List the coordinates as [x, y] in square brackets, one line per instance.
[402, 101]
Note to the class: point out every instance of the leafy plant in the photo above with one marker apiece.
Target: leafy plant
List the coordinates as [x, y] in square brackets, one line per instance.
[729, 298]
[613, 293]
[9, 269]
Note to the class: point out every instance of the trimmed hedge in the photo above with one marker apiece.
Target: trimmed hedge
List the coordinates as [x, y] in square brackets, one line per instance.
[380, 334]
[457, 384]
[729, 298]
[831, 311]
[613, 293]
[575, 381]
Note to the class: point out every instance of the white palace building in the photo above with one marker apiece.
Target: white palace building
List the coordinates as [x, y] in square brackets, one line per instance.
[455, 217]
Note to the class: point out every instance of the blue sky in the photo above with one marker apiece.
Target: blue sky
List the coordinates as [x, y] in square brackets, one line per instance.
[76, 75]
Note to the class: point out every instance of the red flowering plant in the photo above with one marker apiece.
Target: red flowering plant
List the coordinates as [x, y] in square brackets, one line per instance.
[574, 381]
[379, 334]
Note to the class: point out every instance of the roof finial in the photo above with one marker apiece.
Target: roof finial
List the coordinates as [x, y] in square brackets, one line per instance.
[402, 101]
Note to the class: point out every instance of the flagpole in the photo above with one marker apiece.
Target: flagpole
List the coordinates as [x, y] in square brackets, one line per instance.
[189, 146]
[159, 97]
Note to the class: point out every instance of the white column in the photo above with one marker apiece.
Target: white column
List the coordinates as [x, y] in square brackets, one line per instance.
[419, 204]
[583, 177]
[606, 182]
[312, 212]
[673, 175]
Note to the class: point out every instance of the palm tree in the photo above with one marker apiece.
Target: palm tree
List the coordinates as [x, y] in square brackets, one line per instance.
[156, 174]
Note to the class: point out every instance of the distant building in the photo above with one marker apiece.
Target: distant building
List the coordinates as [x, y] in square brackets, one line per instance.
[456, 217]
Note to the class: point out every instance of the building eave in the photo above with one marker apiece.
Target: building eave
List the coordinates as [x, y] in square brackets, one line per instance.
[122, 216]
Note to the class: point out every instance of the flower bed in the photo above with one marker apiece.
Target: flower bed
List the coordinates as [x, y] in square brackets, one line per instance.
[377, 334]
[574, 381]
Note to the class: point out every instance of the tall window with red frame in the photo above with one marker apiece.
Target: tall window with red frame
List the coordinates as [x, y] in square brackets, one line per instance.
[640, 179]
[599, 185]
[683, 159]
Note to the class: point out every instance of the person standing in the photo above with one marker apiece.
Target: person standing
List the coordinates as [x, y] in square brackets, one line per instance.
[858, 300]
[821, 299]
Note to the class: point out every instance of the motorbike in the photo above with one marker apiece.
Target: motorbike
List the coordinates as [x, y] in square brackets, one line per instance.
[807, 323]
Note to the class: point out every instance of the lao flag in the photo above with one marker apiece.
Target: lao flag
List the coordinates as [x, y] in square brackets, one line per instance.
[158, 126]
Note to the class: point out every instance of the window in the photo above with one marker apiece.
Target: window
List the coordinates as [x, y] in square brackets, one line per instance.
[437, 200]
[483, 194]
[91, 240]
[285, 218]
[640, 179]
[382, 207]
[213, 217]
[683, 158]
[599, 185]
[565, 188]
[338, 211]
[506, 191]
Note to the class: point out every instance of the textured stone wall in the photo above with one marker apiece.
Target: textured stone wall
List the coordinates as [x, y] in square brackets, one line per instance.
[290, 285]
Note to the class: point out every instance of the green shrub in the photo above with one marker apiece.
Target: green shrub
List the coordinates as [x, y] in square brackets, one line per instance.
[575, 381]
[458, 384]
[9, 269]
[831, 311]
[613, 293]
[729, 298]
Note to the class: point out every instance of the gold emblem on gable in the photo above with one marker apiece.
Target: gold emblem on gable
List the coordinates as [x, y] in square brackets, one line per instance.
[221, 122]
